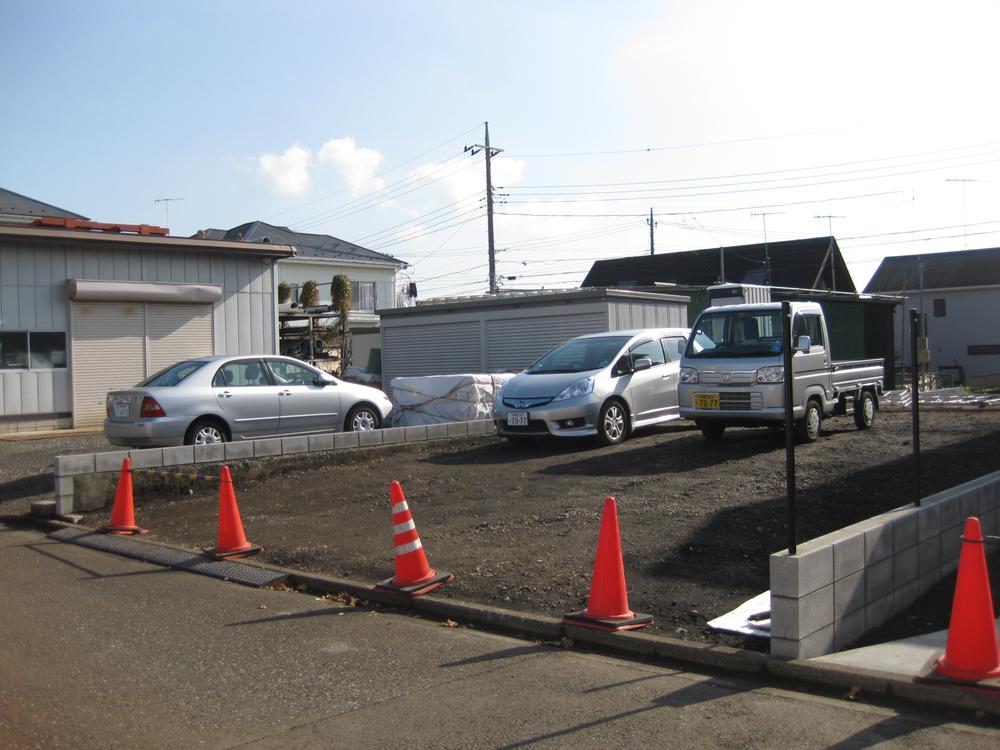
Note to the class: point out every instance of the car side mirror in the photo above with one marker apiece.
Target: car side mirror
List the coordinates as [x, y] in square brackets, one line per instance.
[642, 364]
[324, 379]
[804, 344]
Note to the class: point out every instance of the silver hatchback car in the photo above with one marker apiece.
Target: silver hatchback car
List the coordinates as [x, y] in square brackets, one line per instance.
[218, 399]
[602, 384]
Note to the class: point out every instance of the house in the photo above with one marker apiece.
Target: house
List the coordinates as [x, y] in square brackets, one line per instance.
[507, 332]
[814, 263]
[956, 295]
[87, 307]
[320, 257]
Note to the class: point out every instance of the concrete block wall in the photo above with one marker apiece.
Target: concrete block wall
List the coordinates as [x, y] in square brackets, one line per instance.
[70, 468]
[838, 586]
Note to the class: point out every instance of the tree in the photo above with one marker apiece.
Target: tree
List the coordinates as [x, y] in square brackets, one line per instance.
[309, 296]
[340, 294]
[284, 292]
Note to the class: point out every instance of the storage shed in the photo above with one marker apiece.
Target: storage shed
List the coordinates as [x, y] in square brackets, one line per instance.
[507, 332]
[86, 308]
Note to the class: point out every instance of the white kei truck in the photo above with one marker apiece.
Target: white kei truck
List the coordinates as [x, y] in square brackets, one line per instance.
[732, 372]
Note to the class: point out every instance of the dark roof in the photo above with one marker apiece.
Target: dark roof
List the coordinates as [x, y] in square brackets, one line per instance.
[15, 204]
[794, 263]
[308, 245]
[941, 271]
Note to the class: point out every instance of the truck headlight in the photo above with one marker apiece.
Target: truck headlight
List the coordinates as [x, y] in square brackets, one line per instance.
[771, 374]
[688, 375]
[579, 388]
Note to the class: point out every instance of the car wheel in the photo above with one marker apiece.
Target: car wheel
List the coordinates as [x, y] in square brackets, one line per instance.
[711, 430]
[612, 425]
[362, 419]
[808, 428]
[206, 432]
[864, 410]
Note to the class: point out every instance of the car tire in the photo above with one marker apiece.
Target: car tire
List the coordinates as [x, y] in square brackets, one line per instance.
[712, 430]
[612, 424]
[809, 428]
[206, 432]
[864, 410]
[362, 418]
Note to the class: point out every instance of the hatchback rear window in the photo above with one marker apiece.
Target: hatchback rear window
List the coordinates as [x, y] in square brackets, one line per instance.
[174, 374]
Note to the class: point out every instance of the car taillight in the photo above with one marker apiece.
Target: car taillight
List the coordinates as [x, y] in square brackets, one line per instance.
[150, 408]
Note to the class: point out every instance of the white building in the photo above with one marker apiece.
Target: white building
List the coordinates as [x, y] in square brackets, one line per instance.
[957, 295]
[86, 308]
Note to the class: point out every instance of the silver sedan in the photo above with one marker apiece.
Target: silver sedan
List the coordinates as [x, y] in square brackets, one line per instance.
[218, 399]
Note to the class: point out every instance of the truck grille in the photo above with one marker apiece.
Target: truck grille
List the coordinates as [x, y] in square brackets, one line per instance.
[740, 401]
[712, 377]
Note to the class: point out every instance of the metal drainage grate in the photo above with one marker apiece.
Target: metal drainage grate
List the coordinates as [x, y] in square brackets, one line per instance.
[249, 575]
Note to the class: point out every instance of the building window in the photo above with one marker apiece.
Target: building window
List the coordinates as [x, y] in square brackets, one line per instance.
[939, 308]
[363, 296]
[32, 350]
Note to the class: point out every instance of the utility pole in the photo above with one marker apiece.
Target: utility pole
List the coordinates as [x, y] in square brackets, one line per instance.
[166, 206]
[965, 222]
[767, 258]
[490, 153]
[651, 225]
[833, 266]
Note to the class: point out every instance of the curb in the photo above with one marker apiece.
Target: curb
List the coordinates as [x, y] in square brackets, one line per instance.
[633, 644]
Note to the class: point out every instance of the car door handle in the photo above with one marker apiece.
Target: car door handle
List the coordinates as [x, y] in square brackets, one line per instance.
[284, 393]
[225, 394]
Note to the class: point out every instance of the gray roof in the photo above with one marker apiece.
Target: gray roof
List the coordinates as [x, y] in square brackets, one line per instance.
[794, 263]
[308, 245]
[15, 204]
[961, 268]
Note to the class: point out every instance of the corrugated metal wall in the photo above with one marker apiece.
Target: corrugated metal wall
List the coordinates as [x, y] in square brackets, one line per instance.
[508, 337]
[33, 289]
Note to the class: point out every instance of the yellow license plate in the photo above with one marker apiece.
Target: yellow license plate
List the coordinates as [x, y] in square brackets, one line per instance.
[706, 401]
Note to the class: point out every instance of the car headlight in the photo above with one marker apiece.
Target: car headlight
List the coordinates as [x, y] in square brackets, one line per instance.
[688, 375]
[579, 388]
[774, 374]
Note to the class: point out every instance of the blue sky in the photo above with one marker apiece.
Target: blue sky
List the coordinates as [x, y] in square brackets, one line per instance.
[351, 120]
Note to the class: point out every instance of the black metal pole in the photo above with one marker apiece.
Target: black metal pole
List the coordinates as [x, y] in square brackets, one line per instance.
[786, 348]
[915, 397]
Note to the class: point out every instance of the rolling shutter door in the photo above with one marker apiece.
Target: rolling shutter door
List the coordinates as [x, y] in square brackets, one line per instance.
[513, 344]
[177, 332]
[445, 349]
[120, 344]
[108, 352]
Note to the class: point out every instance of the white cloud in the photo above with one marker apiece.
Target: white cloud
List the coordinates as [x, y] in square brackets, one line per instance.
[356, 165]
[288, 173]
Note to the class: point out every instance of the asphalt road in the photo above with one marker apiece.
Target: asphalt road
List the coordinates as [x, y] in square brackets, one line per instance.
[102, 651]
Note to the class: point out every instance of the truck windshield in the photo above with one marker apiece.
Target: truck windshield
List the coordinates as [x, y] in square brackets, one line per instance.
[736, 334]
[580, 355]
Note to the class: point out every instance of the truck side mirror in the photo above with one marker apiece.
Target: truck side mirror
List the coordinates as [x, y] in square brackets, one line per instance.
[804, 344]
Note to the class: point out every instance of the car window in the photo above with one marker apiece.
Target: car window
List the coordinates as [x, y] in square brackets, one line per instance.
[809, 325]
[248, 372]
[289, 373]
[174, 374]
[651, 350]
[674, 347]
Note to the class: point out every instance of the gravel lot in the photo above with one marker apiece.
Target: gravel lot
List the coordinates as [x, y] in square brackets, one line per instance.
[518, 526]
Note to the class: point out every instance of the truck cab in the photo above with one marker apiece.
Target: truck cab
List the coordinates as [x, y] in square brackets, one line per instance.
[732, 371]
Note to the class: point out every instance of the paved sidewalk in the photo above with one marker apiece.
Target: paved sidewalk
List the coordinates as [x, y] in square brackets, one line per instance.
[103, 651]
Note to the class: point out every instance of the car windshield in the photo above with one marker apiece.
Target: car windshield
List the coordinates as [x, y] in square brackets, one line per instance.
[580, 355]
[735, 334]
[173, 374]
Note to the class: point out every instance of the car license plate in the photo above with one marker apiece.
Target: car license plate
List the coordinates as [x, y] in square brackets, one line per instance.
[706, 401]
[517, 419]
[122, 408]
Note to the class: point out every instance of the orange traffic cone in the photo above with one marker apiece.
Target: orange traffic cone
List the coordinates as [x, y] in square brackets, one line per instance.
[607, 607]
[232, 540]
[413, 574]
[972, 652]
[123, 512]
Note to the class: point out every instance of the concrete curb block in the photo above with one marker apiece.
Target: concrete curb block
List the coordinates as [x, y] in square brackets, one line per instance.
[633, 644]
